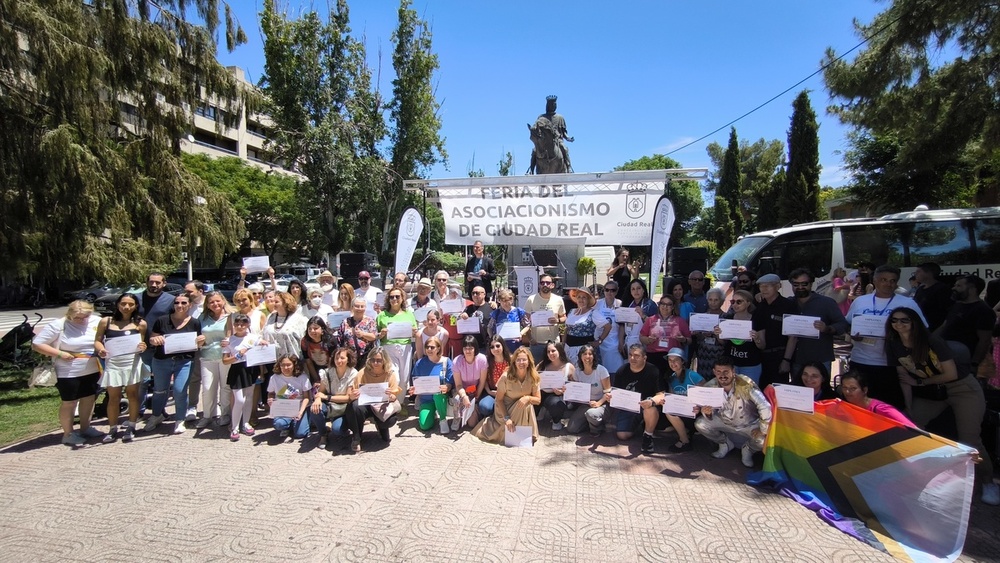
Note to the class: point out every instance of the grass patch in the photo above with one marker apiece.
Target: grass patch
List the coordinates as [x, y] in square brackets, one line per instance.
[25, 412]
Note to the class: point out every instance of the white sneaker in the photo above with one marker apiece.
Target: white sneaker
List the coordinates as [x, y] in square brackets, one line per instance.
[152, 422]
[179, 427]
[191, 415]
[557, 425]
[724, 449]
[746, 455]
[203, 422]
[444, 427]
[991, 494]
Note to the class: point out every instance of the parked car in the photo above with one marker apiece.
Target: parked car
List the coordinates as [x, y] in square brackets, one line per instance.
[226, 289]
[105, 305]
[91, 292]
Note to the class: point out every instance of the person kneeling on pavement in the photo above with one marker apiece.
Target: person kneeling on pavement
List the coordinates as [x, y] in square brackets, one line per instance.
[744, 416]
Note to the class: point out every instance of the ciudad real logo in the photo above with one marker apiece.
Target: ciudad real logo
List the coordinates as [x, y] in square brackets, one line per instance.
[635, 200]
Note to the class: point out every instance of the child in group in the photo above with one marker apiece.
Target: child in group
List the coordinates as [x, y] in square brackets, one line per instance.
[240, 378]
[290, 383]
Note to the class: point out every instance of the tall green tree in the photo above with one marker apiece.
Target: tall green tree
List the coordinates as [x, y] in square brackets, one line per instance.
[685, 196]
[730, 190]
[95, 99]
[327, 118]
[725, 231]
[799, 201]
[275, 208]
[415, 124]
[758, 162]
[928, 84]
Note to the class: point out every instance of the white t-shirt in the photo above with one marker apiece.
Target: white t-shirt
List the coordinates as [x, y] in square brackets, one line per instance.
[76, 339]
[595, 378]
[869, 350]
[607, 312]
[283, 387]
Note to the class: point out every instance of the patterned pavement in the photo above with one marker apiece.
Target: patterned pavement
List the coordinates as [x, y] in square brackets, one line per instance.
[425, 497]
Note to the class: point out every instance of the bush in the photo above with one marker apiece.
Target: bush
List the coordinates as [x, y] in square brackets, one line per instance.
[711, 247]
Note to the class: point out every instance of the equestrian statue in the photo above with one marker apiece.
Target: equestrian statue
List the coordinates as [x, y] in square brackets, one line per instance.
[548, 134]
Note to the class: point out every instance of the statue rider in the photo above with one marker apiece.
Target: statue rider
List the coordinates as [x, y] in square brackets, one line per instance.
[559, 127]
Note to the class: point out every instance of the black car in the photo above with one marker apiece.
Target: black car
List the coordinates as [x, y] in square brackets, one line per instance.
[105, 305]
[92, 292]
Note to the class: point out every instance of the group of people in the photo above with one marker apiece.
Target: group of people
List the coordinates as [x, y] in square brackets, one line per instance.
[476, 358]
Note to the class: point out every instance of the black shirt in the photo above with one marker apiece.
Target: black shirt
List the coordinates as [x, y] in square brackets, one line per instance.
[965, 320]
[647, 382]
[769, 318]
[934, 303]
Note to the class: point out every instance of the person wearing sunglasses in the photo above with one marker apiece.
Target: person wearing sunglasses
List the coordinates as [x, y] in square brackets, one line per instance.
[545, 300]
[399, 348]
[830, 322]
[497, 362]
[608, 337]
[744, 354]
[173, 366]
[696, 295]
[434, 364]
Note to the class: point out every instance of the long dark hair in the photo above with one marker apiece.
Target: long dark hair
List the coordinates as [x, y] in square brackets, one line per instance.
[826, 391]
[645, 291]
[117, 315]
[559, 348]
[303, 295]
[920, 347]
[592, 350]
[327, 335]
[490, 361]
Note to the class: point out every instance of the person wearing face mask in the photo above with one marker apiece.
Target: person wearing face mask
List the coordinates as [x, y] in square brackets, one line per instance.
[328, 287]
[372, 294]
[315, 307]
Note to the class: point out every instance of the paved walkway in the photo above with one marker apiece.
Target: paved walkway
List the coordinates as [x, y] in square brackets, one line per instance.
[199, 497]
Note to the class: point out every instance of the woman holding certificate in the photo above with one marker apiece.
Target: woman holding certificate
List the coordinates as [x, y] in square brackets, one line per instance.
[508, 321]
[377, 396]
[470, 379]
[556, 362]
[433, 379]
[745, 352]
[628, 333]
[596, 376]
[215, 327]
[358, 332]
[70, 341]
[124, 329]
[337, 383]
[517, 394]
[176, 338]
[582, 323]
[664, 331]
[432, 329]
[396, 329]
[291, 386]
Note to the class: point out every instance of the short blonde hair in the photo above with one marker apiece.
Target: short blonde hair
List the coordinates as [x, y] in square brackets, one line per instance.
[79, 307]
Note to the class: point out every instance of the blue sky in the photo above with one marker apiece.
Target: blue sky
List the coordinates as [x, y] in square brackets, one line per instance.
[633, 78]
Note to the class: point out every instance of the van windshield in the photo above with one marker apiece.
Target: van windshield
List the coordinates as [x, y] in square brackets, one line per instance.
[741, 252]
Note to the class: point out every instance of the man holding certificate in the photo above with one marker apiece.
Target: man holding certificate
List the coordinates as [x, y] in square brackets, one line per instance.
[544, 301]
[830, 323]
[643, 378]
[867, 317]
[742, 414]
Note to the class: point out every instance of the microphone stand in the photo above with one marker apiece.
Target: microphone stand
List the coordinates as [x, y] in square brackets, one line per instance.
[416, 269]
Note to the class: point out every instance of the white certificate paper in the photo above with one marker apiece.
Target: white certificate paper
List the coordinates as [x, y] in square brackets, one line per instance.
[262, 354]
[371, 393]
[703, 322]
[180, 342]
[288, 408]
[868, 325]
[625, 400]
[577, 392]
[452, 306]
[426, 384]
[470, 325]
[421, 314]
[337, 318]
[467, 412]
[713, 397]
[397, 331]
[679, 405]
[794, 397]
[519, 438]
[541, 318]
[551, 380]
[626, 315]
[123, 345]
[510, 331]
[256, 264]
[732, 329]
[800, 325]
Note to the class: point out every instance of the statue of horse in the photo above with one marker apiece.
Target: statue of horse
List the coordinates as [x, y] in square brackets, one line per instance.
[549, 155]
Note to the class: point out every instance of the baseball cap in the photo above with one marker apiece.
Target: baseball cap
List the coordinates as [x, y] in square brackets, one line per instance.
[364, 275]
[676, 352]
[768, 278]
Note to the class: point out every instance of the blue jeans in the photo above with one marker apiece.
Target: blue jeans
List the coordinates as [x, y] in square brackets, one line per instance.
[486, 405]
[163, 370]
[301, 429]
[318, 421]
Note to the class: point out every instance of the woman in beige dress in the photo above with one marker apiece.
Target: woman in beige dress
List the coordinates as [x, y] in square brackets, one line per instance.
[517, 395]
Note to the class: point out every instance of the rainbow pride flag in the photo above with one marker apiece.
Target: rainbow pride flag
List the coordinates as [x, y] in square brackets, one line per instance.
[902, 490]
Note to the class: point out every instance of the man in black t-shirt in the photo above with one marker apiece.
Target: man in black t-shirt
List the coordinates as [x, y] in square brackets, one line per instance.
[643, 378]
[768, 316]
[970, 320]
[932, 295]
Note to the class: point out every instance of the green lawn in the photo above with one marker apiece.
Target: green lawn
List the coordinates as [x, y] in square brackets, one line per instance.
[25, 413]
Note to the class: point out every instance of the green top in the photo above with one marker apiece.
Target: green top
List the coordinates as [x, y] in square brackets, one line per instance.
[404, 316]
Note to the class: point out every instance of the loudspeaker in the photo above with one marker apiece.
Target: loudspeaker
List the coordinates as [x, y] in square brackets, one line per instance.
[352, 259]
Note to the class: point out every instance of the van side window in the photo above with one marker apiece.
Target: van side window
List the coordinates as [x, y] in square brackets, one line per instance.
[878, 244]
[987, 233]
[943, 242]
[809, 249]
